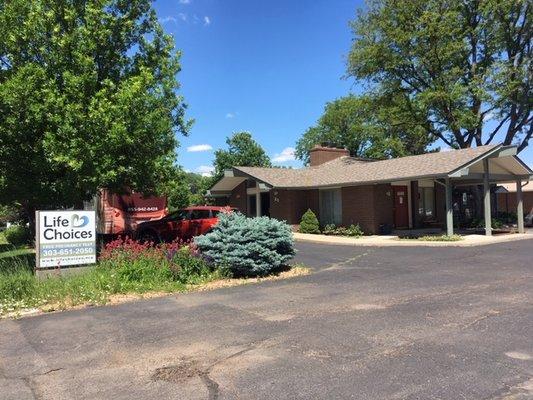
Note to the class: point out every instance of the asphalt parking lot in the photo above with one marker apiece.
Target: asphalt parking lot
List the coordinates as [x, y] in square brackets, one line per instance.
[368, 323]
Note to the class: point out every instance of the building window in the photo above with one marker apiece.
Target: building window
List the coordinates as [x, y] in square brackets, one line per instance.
[252, 205]
[426, 203]
[331, 207]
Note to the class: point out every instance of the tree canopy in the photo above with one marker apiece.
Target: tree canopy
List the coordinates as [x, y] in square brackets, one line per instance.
[450, 65]
[359, 124]
[242, 151]
[88, 99]
[186, 189]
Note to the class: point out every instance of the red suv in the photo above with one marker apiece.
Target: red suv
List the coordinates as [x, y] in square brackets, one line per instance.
[183, 224]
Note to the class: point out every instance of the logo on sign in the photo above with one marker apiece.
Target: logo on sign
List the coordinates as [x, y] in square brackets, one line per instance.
[78, 222]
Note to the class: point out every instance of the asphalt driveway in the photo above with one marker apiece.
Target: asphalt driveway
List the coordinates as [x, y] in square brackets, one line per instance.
[369, 323]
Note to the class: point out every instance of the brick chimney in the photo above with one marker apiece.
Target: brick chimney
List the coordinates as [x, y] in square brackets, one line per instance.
[321, 154]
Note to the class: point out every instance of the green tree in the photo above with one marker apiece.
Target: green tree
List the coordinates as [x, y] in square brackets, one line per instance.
[359, 124]
[242, 151]
[9, 213]
[88, 99]
[185, 189]
[309, 223]
[450, 66]
[175, 187]
[197, 185]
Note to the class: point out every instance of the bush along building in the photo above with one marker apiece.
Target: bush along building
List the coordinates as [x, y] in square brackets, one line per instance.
[443, 189]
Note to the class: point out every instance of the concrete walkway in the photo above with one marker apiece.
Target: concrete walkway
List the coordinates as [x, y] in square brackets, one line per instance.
[391, 240]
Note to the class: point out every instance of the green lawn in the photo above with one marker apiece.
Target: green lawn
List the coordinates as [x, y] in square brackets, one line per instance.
[16, 252]
[15, 257]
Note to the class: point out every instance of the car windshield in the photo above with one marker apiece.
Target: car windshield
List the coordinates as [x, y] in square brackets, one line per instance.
[179, 215]
[200, 214]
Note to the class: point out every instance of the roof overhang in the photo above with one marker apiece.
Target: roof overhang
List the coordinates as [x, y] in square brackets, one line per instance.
[238, 172]
[231, 179]
[504, 166]
[226, 184]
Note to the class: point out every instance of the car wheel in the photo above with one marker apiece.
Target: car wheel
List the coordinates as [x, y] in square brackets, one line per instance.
[148, 236]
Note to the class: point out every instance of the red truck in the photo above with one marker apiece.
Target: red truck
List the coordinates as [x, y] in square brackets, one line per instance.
[120, 214]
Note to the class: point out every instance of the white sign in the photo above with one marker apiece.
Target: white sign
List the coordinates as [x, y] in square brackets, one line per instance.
[65, 238]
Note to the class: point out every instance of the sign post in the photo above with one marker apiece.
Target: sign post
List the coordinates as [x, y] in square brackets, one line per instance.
[64, 238]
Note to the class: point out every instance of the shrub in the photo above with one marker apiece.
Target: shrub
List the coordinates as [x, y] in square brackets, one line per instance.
[192, 267]
[480, 223]
[248, 246]
[507, 217]
[144, 262]
[352, 230]
[309, 223]
[17, 235]
[440, 238]
[329, 229]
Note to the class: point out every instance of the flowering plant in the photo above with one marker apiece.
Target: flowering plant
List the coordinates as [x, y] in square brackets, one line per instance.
[180, 260]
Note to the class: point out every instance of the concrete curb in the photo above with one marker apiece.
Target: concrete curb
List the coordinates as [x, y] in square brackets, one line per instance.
[394, 241]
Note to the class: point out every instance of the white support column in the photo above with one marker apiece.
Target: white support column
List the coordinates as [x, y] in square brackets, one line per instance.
[486, 198]
[257, 200]
[449, 208]
[519, 207]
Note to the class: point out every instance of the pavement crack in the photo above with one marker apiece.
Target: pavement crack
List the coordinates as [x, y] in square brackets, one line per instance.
[212, 386]
[490, 313]
[52, 370]
[188, 369]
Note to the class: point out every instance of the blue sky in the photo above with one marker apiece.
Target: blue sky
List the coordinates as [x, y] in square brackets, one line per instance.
[267, 67]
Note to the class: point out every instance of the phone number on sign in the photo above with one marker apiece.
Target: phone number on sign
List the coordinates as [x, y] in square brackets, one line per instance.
[66, 252]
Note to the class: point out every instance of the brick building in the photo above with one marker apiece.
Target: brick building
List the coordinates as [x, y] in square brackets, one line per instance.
[409, 192]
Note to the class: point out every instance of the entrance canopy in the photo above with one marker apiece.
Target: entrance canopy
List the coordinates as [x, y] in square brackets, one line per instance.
[503, 166]
[225, 185]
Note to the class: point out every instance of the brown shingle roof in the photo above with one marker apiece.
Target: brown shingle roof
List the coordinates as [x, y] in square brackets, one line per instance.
[349, 171]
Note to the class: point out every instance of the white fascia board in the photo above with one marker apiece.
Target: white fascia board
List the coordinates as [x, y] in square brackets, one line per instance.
[506, 152]
[476, 160]
[459, 173]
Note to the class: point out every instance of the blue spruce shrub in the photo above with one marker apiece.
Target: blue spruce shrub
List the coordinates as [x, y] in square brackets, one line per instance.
[248, 246]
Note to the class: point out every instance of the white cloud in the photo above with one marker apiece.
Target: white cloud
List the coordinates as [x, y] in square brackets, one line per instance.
[287, 154]
[185, 1]
[164, 20]
[207, 20]
[182, 16]
[199, 147]
[205, 170]
[230, 115]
